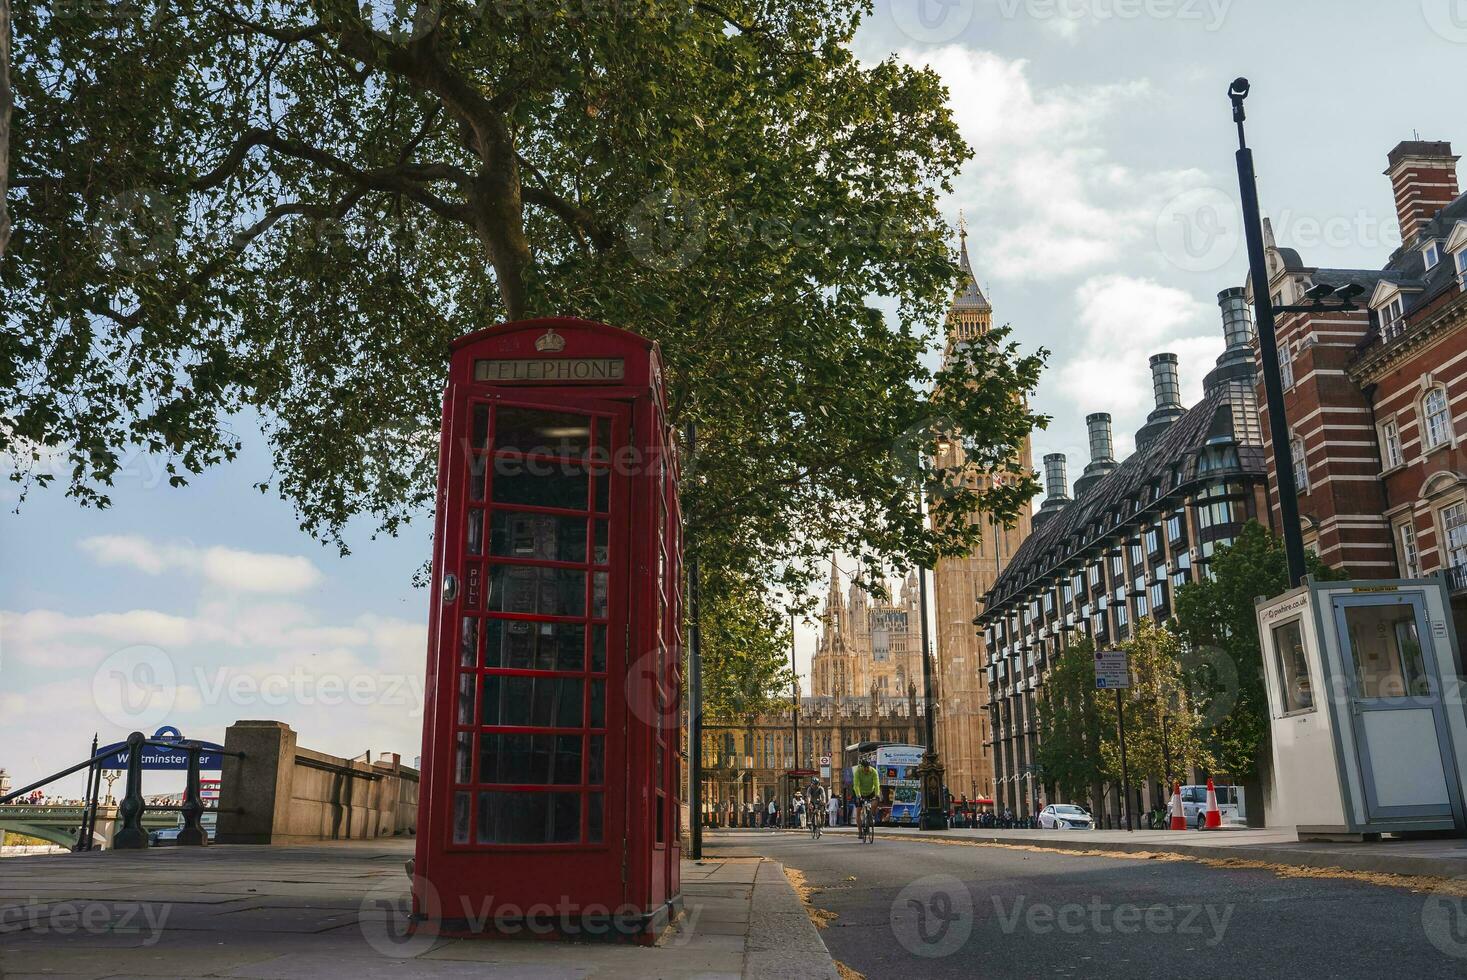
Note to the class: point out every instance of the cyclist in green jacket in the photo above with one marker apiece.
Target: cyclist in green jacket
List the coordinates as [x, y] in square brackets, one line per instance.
[866, 782]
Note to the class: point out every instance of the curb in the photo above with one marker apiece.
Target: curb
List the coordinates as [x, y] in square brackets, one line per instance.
[783, 944]
[1296, 855]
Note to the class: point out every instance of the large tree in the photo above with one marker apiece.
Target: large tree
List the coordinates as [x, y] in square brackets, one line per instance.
[284, 210]
[1218, 622]
[1164, 735]
[1073, 728]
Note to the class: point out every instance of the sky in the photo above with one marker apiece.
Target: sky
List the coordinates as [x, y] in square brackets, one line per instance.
[1101, 204]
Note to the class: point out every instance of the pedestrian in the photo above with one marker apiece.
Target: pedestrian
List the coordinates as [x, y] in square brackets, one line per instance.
[773, 814]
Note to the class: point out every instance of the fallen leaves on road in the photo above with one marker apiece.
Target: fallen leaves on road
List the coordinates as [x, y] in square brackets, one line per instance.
[846, 973]
[821, 917]
[1437, 884]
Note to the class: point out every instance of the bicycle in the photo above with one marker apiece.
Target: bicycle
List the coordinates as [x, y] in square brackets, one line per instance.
[866, 831]
[815, 818]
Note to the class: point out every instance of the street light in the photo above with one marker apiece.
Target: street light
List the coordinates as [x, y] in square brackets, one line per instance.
[930, 770]
[1268, 342]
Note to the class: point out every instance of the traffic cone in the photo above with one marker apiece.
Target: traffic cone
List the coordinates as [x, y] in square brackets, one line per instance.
[1179, 817]
[1214, 815]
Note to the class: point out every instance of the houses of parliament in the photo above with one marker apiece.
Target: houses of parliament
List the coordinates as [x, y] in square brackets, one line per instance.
[866, 673]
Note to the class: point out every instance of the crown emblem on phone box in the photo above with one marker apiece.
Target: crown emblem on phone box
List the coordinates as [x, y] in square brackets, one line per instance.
[551, 342]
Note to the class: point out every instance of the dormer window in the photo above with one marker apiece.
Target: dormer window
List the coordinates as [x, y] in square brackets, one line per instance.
[1393, 317]
[1432, 253]
[1457, 248]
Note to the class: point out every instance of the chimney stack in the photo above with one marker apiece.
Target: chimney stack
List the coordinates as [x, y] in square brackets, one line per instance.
[1102, 447]
[1424, 177]
[1165, 381]
[1056, 484]
[1168, 387]
[1102, 452]
[1236, 362]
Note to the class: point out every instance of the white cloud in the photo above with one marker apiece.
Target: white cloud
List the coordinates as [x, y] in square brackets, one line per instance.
[1122, 321]
[1043, 194]
[229, 568]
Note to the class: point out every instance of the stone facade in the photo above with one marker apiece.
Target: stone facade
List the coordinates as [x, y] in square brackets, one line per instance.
[959, 656]
[744, 762]
[867, 646]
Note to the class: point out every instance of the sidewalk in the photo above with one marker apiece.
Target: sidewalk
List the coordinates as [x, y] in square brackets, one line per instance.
[326, 911]
[1445, 857]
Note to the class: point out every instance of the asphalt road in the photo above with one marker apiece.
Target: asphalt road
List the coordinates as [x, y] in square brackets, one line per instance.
[914, 910]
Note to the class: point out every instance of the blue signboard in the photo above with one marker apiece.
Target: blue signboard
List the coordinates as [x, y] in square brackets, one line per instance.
[164, 756]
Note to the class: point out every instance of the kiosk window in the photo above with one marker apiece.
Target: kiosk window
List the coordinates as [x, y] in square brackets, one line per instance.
[1387, 652]
[532, 702]
[544, 536]
[527, 483]
[533, 430]
[529, 818]
[537, 591]
[517, 645]
[1293, 667]
[530, 760]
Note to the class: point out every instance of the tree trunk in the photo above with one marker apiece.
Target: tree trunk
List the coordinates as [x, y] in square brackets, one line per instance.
[500, 221]
[4, 122]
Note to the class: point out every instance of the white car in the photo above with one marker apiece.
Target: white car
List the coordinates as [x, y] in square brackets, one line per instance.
[1064, 816]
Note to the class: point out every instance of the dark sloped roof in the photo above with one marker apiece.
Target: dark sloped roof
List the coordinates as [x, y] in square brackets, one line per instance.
[1060, 538]
[970, 297]
[1407, 268]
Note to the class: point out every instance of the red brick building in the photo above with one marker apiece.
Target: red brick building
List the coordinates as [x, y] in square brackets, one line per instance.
[1377, 400]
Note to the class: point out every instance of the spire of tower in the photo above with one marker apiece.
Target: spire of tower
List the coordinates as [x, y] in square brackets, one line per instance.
[969, 296]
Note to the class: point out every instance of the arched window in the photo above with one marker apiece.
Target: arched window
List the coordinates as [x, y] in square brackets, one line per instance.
[1436, 419]
[1301, 465]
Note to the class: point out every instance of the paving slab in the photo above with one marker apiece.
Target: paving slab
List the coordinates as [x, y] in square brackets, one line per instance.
[302, 913]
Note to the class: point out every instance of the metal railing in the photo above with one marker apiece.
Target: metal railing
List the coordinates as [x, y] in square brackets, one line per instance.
[132, 835]
[1457, 578]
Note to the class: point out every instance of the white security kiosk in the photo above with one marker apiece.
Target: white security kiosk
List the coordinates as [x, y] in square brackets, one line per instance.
[1365, 699]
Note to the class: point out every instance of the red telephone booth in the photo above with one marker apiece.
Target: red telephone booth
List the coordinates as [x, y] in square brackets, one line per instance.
[549, 799]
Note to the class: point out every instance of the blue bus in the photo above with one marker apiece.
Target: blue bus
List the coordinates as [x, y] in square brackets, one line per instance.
[901, 792]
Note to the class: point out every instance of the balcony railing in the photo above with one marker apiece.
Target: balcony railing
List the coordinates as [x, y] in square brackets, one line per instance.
[1457, 578]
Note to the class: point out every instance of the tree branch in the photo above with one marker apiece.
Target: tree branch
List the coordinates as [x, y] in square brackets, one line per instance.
[4, 122]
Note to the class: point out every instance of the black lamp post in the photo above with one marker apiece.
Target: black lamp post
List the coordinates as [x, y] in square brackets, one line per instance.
[930, 771]
[1264, 311]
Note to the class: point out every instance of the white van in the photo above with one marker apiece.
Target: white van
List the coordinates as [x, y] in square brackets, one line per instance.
[1229, 803]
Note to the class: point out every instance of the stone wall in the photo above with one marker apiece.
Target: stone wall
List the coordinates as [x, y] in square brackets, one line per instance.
[281, 793]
